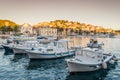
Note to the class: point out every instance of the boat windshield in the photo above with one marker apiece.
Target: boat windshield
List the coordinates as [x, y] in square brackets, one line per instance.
[88, 53]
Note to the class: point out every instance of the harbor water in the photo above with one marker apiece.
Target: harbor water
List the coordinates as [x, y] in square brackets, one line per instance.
[20, 67]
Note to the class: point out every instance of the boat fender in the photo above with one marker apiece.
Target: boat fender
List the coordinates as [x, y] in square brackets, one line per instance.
[97, 66]
[104, 65]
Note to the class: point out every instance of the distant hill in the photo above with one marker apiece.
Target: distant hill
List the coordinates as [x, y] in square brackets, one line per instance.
[65, 24]
[7, 26]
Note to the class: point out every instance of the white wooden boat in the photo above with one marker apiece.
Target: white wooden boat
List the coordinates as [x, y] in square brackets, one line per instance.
[27, 45]
[89, 60]
[55, 49]
[15, 40]
[18, 44]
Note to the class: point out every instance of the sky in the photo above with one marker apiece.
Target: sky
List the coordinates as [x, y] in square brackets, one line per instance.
[104, 13]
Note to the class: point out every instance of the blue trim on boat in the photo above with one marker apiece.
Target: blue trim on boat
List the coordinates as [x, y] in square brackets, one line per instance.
[62, 54]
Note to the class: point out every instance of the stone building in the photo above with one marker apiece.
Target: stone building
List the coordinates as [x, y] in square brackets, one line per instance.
[26, 29]
[45, 31]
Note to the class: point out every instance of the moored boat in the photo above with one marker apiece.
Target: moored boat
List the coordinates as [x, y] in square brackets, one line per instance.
[27, 45]
[15, 40]
[89, 60]
[55, 49]
[94, 44]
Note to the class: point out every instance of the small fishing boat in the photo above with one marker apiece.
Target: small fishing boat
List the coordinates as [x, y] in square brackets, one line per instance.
[27, 45]
[18, 44]
[15, 40]
[94, 44]
[55, 49]
[87, 60]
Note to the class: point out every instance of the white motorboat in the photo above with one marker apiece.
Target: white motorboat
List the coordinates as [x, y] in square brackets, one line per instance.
[27, 45]
[94, 44]
[55, 49]
[15, 40]
[89, 60]
[18, 44]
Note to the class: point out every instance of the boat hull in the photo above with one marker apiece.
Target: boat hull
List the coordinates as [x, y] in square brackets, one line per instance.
[20, 50]
[74, 67]
[49, 56]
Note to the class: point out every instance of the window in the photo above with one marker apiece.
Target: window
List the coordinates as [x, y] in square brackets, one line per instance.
[49, 49]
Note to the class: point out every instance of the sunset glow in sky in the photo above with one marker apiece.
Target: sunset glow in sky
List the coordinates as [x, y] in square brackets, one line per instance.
[104, 13]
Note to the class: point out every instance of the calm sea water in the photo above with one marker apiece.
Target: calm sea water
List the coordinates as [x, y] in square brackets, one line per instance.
[19, 67]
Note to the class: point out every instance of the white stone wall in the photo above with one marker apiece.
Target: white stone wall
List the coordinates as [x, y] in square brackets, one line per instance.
[47, 31]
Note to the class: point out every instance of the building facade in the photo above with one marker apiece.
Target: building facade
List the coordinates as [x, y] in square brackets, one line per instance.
[26, 29]
[45, 31]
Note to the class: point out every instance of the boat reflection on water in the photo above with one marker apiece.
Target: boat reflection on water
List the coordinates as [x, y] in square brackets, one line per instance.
[17, 57]
[47, 64]
[55, 69]
[6, 52]
[95, 75]
[2, 51]
[58, 70]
